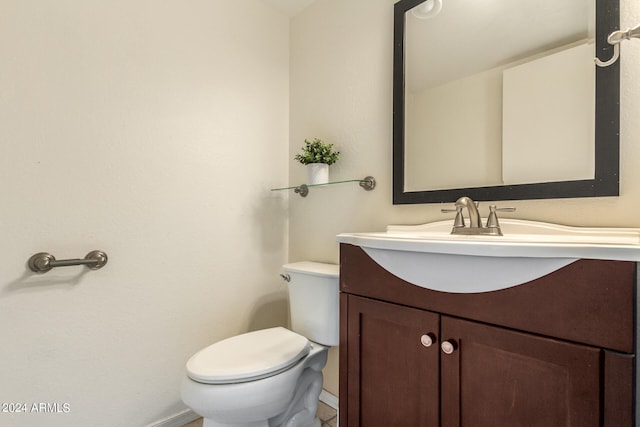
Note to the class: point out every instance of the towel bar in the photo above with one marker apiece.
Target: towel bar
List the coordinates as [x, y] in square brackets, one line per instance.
[44, 261]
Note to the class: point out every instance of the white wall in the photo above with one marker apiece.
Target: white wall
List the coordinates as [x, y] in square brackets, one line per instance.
[152, 131]
[341, 90]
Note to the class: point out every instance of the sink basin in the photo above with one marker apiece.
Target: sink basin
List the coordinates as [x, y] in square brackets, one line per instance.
[429, 256]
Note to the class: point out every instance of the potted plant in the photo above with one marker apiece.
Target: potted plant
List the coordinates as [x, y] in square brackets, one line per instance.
[317, 155]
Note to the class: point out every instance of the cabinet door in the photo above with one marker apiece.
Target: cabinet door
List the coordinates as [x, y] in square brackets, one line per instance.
[498, 377]
[392, 371]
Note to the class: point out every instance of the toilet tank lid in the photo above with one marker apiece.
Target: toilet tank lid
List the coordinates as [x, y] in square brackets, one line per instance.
[248, 357]
[313, 268]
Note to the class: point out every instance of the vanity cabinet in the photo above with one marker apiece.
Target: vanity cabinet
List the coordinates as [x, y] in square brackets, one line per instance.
[557, 351]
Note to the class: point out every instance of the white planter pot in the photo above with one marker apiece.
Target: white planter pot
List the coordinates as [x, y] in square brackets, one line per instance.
[317, 173]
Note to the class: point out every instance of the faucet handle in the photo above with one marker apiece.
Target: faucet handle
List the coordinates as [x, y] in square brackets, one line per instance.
[492, 221]
[458, 222]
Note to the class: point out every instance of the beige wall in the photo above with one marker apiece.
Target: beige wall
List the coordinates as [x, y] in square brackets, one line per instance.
[341, 91]
[152, 131]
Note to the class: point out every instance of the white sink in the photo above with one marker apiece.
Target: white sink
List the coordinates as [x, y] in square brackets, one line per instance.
[429, 256]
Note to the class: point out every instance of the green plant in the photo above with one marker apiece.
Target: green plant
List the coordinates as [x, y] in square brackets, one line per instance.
[317, 152]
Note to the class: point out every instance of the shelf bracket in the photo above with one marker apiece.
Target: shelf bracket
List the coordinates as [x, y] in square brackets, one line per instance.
[302, 190]
[368, 183]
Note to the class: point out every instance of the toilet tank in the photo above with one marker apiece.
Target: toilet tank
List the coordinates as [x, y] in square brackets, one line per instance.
[314, 301]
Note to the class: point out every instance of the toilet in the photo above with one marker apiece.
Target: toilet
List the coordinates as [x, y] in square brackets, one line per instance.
[271, 377]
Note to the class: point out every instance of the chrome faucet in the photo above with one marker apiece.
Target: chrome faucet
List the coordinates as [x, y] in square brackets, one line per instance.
[472, 209]
[475, 227]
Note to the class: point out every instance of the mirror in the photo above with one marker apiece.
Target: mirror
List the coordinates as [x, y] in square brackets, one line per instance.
[501, 100]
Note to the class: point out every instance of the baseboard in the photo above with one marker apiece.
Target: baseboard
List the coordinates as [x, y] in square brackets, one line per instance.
[177, 420]
[329, 399]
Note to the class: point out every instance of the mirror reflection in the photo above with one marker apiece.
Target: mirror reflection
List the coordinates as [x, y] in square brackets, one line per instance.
[495, 93]
[477, 71]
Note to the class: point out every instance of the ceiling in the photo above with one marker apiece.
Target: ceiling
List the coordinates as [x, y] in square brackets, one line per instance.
[289, 7]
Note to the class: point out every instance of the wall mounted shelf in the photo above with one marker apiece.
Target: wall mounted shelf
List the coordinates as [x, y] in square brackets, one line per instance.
[367, 183]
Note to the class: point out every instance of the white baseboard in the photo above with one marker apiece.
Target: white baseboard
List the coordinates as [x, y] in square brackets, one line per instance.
[332, 401]
[176, 420]
[329, 399]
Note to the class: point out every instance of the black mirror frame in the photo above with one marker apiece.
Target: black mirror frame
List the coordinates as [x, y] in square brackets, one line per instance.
[607, 127]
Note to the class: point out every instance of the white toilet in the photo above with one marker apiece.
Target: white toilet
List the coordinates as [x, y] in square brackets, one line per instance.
[271, 377]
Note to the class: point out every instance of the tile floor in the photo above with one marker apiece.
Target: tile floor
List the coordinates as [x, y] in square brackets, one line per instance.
[326, 413]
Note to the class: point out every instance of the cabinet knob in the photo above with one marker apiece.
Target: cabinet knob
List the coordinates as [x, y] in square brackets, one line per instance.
[428, 339]
[448, 346]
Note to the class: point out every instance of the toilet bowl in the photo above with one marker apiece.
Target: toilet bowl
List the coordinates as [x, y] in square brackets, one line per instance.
[271, 377]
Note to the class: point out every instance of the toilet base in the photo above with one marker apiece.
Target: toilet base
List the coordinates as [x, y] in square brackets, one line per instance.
[301, 411]
[316, 423]
[210, 423]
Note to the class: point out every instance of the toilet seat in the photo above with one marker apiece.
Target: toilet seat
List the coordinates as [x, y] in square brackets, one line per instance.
[248, 357]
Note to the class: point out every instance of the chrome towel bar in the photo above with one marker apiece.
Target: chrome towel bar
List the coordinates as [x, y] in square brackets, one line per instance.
[44, 261]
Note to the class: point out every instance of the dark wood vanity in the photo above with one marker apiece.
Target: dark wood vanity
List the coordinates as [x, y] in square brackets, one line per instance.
[557, 351]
